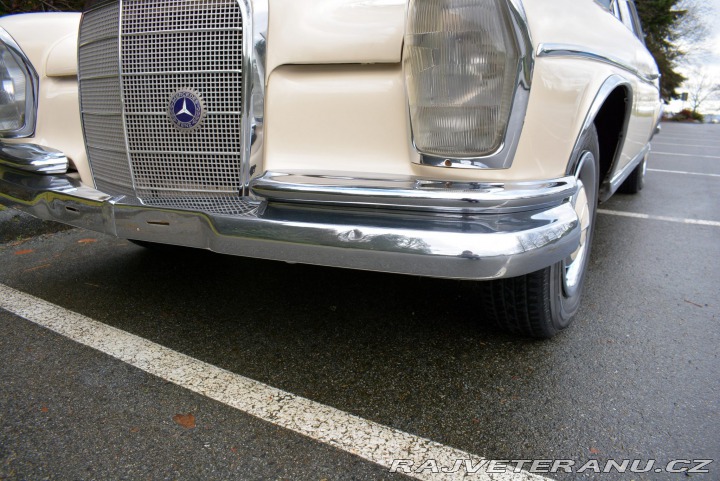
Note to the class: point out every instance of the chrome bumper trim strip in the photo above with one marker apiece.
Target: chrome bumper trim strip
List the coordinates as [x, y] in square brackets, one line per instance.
[439, 245]
[33, 158]
[409, 193]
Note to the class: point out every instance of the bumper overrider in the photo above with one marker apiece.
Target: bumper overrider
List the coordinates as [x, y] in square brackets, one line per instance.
[399, 225]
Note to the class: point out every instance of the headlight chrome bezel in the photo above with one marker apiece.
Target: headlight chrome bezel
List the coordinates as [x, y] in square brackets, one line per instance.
[502, 156]
[32, 82]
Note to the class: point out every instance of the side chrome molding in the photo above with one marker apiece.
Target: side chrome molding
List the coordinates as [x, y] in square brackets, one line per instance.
[569, 50]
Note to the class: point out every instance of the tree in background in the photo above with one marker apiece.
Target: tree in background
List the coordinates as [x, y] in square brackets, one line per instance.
[661, 22]
[701, 87]
[673, 28]
[22, 6]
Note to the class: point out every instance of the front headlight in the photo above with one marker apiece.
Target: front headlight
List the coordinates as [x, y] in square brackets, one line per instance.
[18, 84]
[463, 62]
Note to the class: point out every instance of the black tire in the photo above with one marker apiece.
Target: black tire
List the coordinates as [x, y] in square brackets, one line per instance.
[543, 303]
[636, 180]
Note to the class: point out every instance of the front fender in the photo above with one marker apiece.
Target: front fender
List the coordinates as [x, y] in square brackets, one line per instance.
[49, 40]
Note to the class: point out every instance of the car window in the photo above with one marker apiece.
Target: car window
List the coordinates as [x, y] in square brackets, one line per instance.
[611, 6]
[636, 20]
[626, 16]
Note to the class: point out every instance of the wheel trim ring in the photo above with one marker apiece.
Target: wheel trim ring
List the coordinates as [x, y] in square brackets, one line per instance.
[644, 171]
[573, 264]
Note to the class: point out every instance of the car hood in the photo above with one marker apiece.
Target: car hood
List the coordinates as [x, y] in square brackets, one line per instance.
[335, 31]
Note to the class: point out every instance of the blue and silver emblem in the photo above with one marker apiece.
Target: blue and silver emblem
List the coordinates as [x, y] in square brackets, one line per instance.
[186, 109]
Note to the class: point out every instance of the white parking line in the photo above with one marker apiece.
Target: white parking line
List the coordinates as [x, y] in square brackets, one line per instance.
[678, 220]
[654, 152]
[682, 172]
[366, 439]
[695, 143]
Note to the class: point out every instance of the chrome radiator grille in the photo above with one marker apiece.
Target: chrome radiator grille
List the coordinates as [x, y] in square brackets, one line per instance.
[138, 57]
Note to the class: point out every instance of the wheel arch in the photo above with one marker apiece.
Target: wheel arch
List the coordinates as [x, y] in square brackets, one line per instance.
[610, 114]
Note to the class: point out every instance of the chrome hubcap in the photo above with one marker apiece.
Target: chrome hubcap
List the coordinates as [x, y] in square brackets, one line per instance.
[574, 262]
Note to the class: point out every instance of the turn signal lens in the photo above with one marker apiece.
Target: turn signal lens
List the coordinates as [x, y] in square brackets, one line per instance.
[461, 63]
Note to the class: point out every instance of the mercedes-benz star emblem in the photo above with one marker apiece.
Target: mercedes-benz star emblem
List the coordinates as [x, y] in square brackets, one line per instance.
[186, 109]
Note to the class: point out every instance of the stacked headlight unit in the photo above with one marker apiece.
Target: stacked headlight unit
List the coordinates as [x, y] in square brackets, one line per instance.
[464, 61]
[18, 90]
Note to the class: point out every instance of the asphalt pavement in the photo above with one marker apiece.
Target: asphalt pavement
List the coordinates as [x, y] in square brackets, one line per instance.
[635, 378]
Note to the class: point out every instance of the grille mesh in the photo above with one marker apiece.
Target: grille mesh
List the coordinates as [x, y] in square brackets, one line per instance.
[100, 100]
[165, 46]
[183, 44]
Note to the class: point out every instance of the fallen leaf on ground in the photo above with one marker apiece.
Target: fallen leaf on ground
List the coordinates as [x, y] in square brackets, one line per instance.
[44, 409]
[86, 241]
[594, 451]
[23, 252]
[185, 420]
[44, 266]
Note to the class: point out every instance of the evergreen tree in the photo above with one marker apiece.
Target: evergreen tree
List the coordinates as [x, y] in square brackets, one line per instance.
[23, 6]
[661, 21]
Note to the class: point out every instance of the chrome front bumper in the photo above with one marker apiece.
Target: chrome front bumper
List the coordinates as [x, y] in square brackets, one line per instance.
[476, 231]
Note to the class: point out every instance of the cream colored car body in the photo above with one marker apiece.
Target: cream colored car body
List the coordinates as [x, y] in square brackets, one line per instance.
[50, 42]
[334, 81]
[302, 149]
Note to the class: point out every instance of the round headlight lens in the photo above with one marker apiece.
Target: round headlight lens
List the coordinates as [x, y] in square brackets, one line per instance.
[18, 88]
[13, 95]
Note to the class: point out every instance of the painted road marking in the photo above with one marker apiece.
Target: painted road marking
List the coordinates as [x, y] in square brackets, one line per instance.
[682, 172]
[678, 220]
[366, 439]
[696, 143]
[654, 152]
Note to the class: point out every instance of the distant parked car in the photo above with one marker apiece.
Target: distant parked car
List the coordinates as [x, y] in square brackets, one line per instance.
[444, 138]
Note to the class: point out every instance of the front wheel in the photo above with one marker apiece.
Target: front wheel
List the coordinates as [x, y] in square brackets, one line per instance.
[543, 303]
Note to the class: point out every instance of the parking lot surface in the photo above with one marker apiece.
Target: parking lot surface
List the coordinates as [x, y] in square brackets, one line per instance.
[635, 378]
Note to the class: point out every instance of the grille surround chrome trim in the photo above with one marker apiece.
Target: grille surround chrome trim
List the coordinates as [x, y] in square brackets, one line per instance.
[254, 64]
[238, 115]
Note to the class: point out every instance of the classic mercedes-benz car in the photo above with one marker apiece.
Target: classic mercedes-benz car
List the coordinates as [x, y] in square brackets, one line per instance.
[466, 139]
